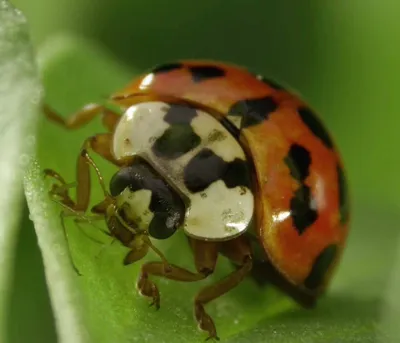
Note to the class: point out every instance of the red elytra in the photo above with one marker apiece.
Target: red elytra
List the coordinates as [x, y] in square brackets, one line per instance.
[302, 205]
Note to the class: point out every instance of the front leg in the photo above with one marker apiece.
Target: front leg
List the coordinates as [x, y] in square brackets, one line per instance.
[83, 116]
[101, 144]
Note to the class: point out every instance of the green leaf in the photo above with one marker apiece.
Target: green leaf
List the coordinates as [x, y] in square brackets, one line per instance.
[19, 96]
[28, 294]
[391, 307]
[103, 304]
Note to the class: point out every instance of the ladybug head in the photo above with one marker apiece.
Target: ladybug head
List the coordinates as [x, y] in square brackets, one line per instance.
[145, 202]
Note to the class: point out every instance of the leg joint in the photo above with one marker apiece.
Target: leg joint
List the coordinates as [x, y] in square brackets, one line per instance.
[206, 272]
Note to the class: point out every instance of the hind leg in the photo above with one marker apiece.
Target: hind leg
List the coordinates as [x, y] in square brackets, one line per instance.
[205, 258]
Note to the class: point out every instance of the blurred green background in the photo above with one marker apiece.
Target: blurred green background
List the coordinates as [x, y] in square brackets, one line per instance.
[341, 56]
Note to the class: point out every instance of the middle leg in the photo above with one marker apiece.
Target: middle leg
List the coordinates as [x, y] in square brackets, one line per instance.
[205, 259]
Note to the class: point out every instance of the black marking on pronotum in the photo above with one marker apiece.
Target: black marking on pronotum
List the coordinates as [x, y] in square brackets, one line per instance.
[253, 111]
[166, 205]
[167, 67]
[179, 138]
[179, 114]
[204, 73]
[315, 125]
[321, 266]
[176, 141]
[343, 196]
[206, 167]
[298, 160]
[302, 209]
[270, 82]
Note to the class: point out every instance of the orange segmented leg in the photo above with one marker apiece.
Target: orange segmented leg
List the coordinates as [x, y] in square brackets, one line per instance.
[83, 116]
[60, 191]
[205, 264]
[99, 144]
[238, 250]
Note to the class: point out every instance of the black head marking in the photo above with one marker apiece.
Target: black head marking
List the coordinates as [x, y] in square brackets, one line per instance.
[303, 209]
[203, 73]
[206, 167]
[166, 205]
[270, 82]
[167, 67]
[298, 160]
[253, 111]
[179, 138]
[343, 196]
[321, 265]
[315, 125]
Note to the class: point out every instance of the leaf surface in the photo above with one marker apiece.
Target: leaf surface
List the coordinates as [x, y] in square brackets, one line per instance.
[20, 92]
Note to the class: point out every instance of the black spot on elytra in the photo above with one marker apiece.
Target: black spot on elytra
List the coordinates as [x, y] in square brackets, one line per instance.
[298, 160]
[343, 196]
[166, 205]
[320, 267]
[167, 67]
[203, 73]
[302, 209]
[206, 167]
[269, 82]
[179, 138]
[315, 125]
[253, 111]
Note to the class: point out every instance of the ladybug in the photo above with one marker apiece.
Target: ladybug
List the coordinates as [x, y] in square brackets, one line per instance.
[243, 167]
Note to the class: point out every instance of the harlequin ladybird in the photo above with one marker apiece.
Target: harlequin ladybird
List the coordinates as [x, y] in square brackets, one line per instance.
[243, 167]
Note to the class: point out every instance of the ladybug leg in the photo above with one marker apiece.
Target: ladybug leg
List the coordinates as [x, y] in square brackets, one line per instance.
[60, 192]
[205, 256]
[149, 289]
[237, 250]
[83, 116]
[136, 254]
[100, 145]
